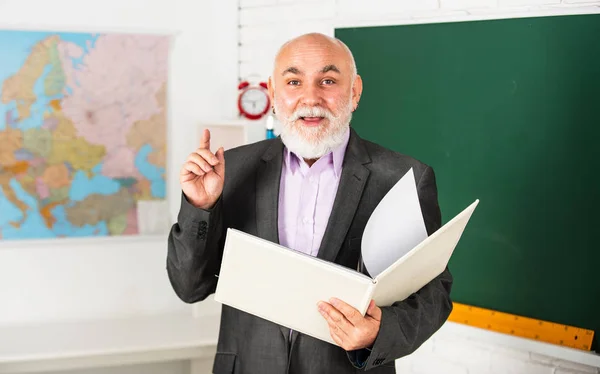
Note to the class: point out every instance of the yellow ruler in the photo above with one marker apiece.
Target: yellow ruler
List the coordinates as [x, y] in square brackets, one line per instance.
[549, 332]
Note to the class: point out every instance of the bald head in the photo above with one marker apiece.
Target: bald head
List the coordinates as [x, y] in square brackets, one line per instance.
[314, 90]
[314, 44]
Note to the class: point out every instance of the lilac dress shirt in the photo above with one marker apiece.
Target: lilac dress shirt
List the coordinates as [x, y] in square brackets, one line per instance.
[306, 196]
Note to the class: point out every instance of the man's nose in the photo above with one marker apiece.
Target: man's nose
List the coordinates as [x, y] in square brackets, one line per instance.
[312, 95]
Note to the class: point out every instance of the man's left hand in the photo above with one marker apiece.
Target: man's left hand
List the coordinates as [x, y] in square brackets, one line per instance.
[348, 327]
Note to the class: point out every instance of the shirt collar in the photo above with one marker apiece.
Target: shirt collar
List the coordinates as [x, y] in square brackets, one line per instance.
[336, 156]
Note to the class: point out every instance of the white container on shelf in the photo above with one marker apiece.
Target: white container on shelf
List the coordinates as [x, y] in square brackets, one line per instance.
[232, 133]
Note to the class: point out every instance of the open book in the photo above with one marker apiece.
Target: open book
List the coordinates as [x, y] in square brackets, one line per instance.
[284, 286]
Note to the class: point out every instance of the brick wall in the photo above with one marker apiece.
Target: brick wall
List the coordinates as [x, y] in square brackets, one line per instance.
[456, 350]
[266, 24]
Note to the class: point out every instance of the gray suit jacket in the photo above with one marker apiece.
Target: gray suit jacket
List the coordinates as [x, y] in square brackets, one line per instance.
[251, 345]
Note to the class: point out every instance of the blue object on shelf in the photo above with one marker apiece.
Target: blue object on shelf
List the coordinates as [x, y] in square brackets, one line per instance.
[270, 127]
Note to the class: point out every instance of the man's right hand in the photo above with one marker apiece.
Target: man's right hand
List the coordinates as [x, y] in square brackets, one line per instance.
[203, 174]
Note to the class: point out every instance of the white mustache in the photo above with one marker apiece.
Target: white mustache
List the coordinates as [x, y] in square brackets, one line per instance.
[315, 111]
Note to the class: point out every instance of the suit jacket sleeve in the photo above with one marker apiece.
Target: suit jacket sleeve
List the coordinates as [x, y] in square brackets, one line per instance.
[195, 251]
[407, 324]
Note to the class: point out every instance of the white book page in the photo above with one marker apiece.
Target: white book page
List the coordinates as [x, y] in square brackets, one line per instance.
[423, 263]
[395, 227]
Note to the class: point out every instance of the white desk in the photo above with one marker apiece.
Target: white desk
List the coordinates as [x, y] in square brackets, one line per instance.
[143, 340]
[88, 344]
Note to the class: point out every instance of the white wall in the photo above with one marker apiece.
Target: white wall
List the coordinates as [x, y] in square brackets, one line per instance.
[266, 24]
[84, 279]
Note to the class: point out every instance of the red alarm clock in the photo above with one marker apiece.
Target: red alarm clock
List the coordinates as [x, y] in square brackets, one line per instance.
[253, 101]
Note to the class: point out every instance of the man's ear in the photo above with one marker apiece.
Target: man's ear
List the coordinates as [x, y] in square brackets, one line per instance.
[357, 88]
[271, 89]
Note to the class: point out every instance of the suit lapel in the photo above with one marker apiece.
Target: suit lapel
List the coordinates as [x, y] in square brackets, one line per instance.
[268, 179]
[267, 192]
[352, 182]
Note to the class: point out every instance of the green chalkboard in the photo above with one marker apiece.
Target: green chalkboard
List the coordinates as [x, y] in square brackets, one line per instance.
[506, 111]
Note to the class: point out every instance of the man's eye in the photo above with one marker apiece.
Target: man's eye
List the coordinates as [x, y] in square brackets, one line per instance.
[328, 81]
[294, 82]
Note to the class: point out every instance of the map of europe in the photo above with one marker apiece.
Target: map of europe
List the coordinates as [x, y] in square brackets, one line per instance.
[82, 132]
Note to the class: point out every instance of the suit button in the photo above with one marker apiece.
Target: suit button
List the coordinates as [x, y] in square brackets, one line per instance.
[202, 230]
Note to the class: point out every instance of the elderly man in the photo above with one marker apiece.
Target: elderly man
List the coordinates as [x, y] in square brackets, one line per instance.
[312, 189]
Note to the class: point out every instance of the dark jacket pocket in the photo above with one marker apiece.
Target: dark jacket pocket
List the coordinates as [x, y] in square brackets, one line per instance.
[224, 363]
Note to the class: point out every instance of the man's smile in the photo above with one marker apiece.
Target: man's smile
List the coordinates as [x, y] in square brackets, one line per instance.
[311, 121]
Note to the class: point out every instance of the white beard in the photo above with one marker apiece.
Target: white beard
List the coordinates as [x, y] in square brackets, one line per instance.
[314, 142]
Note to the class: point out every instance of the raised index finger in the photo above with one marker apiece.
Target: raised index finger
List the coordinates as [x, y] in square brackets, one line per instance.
[205, 139]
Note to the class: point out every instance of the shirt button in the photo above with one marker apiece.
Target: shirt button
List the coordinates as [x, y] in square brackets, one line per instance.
[306, 221]
[312, 179]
